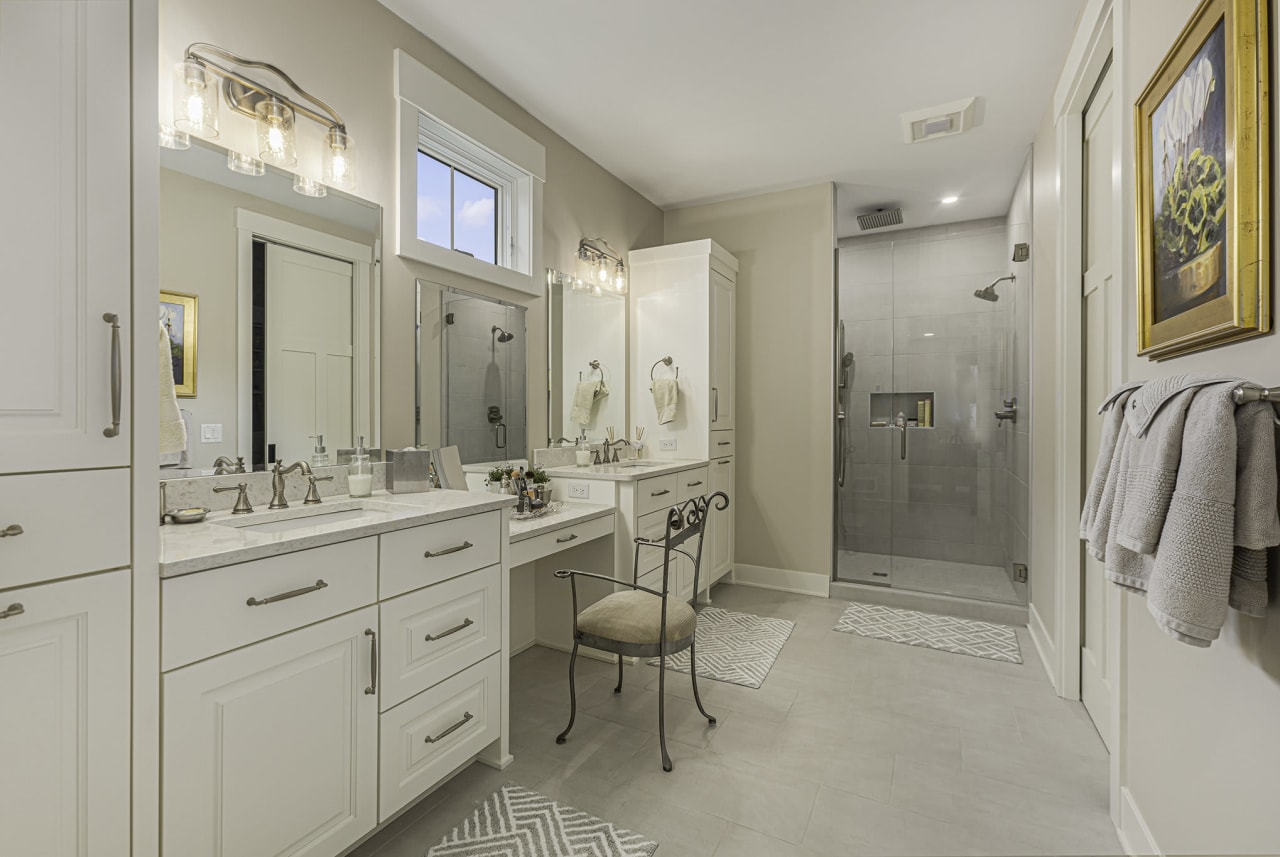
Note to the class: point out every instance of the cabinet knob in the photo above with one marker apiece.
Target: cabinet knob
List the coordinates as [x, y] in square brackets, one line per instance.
[12, 610]
[11, 530]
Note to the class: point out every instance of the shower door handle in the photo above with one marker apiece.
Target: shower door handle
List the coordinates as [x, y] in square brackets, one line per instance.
[503, 444]
[903, 427]
[840, 451]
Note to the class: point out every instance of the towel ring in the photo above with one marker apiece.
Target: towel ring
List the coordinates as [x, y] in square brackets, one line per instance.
[666, 361]
[1249, 393]
[595, 366]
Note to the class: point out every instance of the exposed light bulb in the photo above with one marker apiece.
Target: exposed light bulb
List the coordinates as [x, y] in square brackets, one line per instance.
[276, 144]
[275, 141]
[620, 278]
[195, 99]
[602, 270]
[339, 165]
[195, 111]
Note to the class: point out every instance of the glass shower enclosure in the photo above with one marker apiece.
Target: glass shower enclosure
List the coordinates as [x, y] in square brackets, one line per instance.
[931, 485]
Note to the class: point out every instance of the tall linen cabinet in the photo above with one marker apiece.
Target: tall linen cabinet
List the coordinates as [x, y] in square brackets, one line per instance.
[683, 306]
[65, 429]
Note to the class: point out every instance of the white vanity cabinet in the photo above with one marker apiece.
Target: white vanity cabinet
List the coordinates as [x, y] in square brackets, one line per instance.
[717, 554]
[64, 718]
[65, 236]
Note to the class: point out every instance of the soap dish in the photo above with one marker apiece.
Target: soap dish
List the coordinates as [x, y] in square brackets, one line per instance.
[187, 516]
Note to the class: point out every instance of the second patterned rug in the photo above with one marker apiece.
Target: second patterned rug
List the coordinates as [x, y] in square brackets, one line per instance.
[738, 648]
[945, 633]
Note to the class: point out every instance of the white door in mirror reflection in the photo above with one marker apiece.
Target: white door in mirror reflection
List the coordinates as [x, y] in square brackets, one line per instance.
[309, 352]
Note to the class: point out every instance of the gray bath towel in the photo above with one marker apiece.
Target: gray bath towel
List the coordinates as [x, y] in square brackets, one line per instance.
[1112, 411]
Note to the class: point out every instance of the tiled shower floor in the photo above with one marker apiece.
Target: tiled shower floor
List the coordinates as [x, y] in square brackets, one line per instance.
[963, 580]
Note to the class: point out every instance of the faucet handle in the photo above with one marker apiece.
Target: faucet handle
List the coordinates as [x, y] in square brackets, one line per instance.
[242, 506]
[313, 495]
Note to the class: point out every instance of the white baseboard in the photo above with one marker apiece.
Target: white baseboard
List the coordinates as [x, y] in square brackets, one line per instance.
[584, 651]
[522, 647]
[1043, 642]
[783, 580]
[1135, 836]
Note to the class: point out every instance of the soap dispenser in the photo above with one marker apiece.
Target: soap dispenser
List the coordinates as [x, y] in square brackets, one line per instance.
[320, 456]
[360, 472]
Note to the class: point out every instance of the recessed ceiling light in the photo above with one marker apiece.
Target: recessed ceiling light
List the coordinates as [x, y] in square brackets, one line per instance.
[928, 334]
[950, 200]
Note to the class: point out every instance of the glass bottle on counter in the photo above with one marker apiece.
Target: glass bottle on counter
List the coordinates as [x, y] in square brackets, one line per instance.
[360, 472]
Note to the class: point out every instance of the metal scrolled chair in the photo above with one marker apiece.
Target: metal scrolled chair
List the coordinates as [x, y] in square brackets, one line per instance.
[631, 623]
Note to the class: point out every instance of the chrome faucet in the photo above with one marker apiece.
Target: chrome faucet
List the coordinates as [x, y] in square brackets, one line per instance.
[278, 474]
[222, 465]
[613, 445]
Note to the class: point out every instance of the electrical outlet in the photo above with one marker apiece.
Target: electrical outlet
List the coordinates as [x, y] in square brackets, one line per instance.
[211, 433]
[579, 490]
[667, 444]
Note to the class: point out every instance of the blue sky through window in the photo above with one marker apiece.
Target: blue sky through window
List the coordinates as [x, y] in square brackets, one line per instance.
[465, 219]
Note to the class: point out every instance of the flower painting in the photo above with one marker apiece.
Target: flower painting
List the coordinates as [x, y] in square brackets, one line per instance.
[1203, 152]
[178, 317]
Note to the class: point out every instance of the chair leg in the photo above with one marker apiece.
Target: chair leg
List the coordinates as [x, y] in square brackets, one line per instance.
[618, 689]
[662, 709]
[573, 696]
[693, 673]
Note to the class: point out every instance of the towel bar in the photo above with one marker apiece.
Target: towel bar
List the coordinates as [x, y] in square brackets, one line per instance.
[1243, 394]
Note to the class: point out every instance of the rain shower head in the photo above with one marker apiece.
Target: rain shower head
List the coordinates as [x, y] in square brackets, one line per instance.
[989, 293]
[503, 336]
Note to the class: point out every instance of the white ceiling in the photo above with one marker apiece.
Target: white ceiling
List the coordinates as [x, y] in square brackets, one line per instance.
[694, 101]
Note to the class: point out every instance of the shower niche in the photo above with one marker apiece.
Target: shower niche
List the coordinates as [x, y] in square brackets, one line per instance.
[917, 408]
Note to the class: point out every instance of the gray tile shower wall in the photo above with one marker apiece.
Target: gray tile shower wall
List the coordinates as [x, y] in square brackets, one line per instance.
[480, 373]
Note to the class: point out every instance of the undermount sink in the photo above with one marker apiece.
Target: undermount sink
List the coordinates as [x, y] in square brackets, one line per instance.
[300, 519]
[641, 463]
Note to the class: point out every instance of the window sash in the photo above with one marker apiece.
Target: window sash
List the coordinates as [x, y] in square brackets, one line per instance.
[498, 200]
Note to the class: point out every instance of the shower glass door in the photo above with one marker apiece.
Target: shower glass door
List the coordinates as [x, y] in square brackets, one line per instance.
[923, 470]
[483, 381]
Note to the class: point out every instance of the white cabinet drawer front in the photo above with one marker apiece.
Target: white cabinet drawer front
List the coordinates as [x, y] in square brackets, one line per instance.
[60, 524]
[424, 739]
[412, 559]
[562, 539]
[208, 613]
[657, 493]
[652, 526]
[272, 749]
[693, 483]
[722, 443]
[433, 633]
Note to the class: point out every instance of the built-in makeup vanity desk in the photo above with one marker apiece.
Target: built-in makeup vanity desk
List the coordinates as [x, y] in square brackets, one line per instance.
[324, 666]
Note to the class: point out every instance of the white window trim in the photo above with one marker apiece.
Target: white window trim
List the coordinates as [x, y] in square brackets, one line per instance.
[437, 117]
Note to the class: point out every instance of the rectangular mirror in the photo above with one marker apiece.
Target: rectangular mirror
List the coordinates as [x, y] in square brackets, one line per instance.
[271, 302]
[587, 343]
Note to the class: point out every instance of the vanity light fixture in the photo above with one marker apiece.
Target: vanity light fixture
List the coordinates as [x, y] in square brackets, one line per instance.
[245, 165]
[208, 73]
[602, 265]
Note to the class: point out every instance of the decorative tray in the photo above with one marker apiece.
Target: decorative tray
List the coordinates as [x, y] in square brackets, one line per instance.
[553, 506]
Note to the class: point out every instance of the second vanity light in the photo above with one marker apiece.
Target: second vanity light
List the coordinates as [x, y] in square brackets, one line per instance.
[207, 73]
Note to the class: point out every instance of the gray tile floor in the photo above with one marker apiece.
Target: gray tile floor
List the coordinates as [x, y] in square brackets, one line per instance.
[941, 577]
[853, 746]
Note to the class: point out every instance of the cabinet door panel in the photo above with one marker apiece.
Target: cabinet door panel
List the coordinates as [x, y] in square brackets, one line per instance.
[64, 718]
[722, 349]
[720, 525]
[272, 749]
[64, 233]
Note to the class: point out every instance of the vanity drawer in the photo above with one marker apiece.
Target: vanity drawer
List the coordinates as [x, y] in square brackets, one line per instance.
[70, 523]
[415, 751]
[658, 492]
[463, 615]
[693, 483]
[561, 539]
[208, 613]
[412, 559]
[652, 526]
[722, 443]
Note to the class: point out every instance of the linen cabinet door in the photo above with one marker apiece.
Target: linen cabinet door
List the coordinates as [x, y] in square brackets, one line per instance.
[64, 718]
[64, 236]
[722, 348]
[720, 525]
[273, 749]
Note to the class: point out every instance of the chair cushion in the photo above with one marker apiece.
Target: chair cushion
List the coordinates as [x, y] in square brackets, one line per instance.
[634, 617]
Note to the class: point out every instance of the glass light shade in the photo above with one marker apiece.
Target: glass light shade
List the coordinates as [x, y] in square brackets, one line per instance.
[602, 269]
[276, 141]
[620, 278]
[339, 160]
[245, 165]
[195, 99]
[309, 187]
[172, 138]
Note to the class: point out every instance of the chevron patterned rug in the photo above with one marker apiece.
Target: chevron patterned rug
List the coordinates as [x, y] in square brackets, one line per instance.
[738, 648]
[945, 633]
[519, 822]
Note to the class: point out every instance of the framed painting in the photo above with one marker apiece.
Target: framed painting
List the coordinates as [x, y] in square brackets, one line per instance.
[1202, 141]
[178, 314]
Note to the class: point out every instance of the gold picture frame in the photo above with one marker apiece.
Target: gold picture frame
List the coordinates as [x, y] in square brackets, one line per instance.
[1203, 143]
[179, 315]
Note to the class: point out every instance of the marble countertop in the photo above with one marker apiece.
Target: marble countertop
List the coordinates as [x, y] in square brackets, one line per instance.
[622, 472]
[221, 539]
[568, 515]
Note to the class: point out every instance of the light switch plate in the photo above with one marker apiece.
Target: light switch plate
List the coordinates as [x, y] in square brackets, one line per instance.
[579, 490]
[211, 433]
[667, 444]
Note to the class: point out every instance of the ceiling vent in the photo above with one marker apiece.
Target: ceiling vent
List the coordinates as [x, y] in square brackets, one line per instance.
[945, 120]
[880, 218]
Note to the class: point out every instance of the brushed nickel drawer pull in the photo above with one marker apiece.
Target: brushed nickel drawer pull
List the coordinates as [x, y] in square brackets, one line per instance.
[723, 461]
[12, 610]
[693, 484]
[11, 530]
[466, 623]
[373, 661]
[116, 375]
[660, 493]
[448, 551]
[467, 717]
[567, 538]
[724, 443]
[283, 596]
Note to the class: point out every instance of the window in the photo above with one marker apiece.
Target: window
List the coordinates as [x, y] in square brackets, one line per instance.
[457, 210]
[469, 183]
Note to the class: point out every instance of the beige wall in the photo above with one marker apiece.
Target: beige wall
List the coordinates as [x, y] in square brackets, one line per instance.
[345, 57]
[785, 294]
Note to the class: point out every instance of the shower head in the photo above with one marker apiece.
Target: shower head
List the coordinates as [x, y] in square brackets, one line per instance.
[503, 336]
[989, 293]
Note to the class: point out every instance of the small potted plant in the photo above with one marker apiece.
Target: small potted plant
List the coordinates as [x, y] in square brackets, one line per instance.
[496, 476]
[541, 484]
